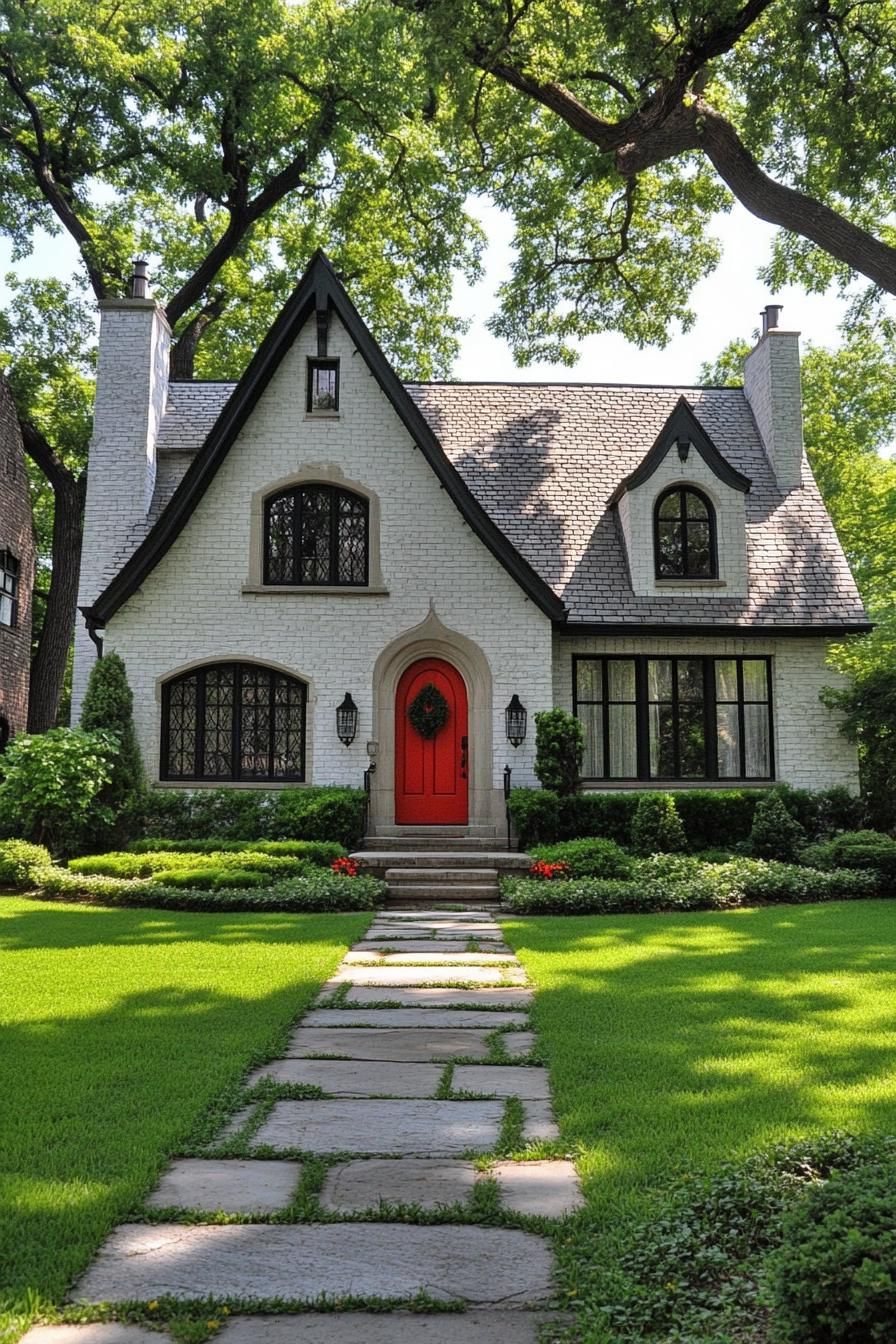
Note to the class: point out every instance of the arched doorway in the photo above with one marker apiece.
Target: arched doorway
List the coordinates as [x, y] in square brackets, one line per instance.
[432, 771]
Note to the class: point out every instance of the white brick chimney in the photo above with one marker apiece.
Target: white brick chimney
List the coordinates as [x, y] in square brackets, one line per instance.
[772, 387]
[131, 391]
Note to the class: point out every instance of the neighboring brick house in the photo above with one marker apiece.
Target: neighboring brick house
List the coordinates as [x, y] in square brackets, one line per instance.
[16, 573]
[320, 566]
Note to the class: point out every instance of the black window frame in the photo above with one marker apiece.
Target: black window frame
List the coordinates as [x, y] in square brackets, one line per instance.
[314, 364]
[336, 493]
[235, 775]
[642, 716]
[684, 577]
[10, 573]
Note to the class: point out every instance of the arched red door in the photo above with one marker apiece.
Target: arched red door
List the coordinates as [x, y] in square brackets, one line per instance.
[431, 772]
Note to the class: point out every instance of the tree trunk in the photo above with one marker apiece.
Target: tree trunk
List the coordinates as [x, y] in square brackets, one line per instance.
[49, 663]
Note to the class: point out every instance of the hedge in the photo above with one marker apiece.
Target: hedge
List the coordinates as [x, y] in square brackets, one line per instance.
[314, 813]
[321, 852]
[711, 817]
[271, 867]
[316, 890]
[682, 882]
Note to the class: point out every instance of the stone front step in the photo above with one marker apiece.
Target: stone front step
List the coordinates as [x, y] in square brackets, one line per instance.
[482, 1266]
[475, 894]
[437, 876]
[331, 1327]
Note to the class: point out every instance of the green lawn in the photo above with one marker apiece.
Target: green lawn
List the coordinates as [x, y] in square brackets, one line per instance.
[117, 1029]
[676, 1042]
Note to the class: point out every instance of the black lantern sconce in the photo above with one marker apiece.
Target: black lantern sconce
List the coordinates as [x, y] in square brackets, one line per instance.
[347, 721]
[515, 717]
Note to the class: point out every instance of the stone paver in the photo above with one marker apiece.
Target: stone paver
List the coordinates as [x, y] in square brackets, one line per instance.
[443, 916]
[394, 1327]
[427, 958]
[425, 975]
[375, 947]
[502, 1080]
[518, 1042]
[429, 1182]
[479, 1265]
[515, 996]
[435, 1019]
[430, 1128]
[355, 1078]
[410, 1044]
[539, 1122]
[550, 1189]
[228, 1184]
[425, 932]
[110, 1332]
[236, 1122]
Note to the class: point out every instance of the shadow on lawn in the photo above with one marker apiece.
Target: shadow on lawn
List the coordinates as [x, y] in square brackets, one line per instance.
[678, 1042]
[67, 926]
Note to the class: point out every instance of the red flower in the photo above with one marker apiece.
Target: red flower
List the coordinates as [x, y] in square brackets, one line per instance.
[345, 867]
[549, 872]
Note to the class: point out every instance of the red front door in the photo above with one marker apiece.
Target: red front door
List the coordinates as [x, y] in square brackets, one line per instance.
[431, 771]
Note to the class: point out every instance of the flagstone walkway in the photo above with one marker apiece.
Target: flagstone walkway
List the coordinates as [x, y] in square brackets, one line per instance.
[372, 1161]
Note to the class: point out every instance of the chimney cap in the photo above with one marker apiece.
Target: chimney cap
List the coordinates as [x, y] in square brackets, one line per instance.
[139, 282]
[771, 316]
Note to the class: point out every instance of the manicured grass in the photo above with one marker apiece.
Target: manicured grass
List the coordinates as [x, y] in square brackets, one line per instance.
[118, 1028]
[676, 1042]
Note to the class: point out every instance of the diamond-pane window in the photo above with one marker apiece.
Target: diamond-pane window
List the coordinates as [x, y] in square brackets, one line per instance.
[316, 535]
[233, 721]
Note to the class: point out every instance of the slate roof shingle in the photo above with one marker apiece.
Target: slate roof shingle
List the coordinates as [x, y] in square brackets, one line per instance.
[544, 459]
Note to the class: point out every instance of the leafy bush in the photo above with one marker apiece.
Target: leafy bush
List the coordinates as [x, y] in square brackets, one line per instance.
[326, 814]
[213, 879]
[317, 890]
[587, 858]
[855, 849]
[52, 787]
[684, 882]
[656, 827]
[775, 834]
[109, 705]
[21, 863]
[321, 852]
[868, 705]
[535, 815]
[271, 867]
[833, 1279]
[692, 1270]
[559, 747]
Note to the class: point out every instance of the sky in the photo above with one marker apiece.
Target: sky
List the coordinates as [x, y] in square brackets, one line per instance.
[727, 304]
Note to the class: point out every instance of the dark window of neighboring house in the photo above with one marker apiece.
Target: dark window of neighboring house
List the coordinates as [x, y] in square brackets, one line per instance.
[9, 588]
[323, 386]
[233, 721]
[317, 535]
[684, 527]
[675, 718]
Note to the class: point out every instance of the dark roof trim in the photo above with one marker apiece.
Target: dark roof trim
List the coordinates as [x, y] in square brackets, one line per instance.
[319, 284]
[682, 424]
[676, 628]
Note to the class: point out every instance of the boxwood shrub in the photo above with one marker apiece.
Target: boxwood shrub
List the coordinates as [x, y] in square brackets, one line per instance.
[587, 858]
[855, 849]
[313, 813]
[270, 867]
[321, 852]
[22, 863]
[316, 890]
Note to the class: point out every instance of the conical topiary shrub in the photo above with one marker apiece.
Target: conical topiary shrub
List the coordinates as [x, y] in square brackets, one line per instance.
[656, 826]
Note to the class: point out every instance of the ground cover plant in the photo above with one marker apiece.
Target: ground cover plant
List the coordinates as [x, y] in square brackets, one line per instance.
[119, 1028]
[686, 1043]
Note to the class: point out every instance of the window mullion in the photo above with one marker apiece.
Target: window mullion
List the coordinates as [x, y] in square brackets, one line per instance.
[741, 717]
[642, 718]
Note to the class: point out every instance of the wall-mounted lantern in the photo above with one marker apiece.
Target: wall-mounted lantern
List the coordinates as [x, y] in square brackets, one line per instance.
[515, 717]
[347, 721]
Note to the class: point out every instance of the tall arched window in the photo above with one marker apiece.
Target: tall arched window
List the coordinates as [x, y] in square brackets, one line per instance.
[316, 535]
[684, 535]
[233, 721]
[9, 588]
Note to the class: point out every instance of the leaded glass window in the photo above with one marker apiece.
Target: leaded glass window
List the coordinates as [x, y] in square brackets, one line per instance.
[233, 721]
[323, 386]
[684, 535]
[675, 717]
[316, 535]
[9, 588]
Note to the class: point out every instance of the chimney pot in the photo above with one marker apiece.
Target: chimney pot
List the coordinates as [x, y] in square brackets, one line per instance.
[771, 316]
[139, 285]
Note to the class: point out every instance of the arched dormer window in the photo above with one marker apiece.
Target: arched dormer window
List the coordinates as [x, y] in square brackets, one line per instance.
[233, 721]
[316, 535]
[684, 535]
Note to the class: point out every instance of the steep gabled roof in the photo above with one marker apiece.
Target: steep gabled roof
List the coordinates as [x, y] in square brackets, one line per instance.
[681, 425]
[319, 290]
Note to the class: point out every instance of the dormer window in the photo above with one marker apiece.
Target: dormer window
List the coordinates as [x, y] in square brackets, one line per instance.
[323, 387]
[685, 535]
[9, 588]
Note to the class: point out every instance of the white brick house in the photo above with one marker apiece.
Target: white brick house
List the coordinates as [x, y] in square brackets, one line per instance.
[657, 559]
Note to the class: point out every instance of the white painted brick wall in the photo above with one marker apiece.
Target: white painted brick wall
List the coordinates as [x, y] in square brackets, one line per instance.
[636, 509]
[773, 389]
[810, 752]
[192, 606]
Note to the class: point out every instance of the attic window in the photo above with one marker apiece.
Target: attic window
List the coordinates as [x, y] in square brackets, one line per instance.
[323, 387]
[685, 535]
[9, 588]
